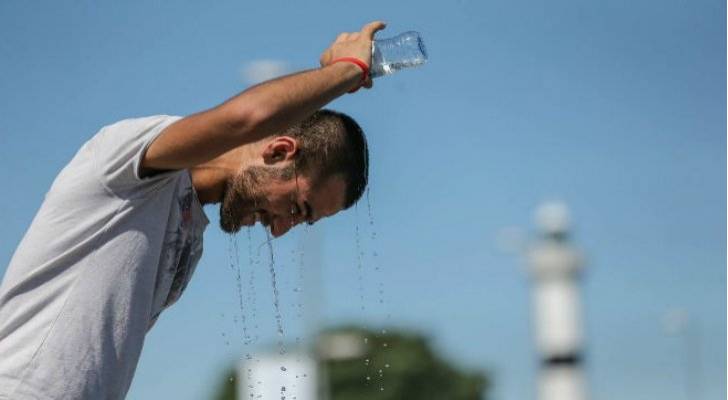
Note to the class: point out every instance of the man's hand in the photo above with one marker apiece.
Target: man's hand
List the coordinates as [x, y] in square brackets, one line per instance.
[354, 44]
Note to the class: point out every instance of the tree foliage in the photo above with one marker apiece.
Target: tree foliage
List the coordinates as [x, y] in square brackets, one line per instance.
[227, 389]
[394, 366]
[401, 366]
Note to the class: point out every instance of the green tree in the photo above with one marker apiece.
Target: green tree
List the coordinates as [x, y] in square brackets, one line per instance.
[409, 367]
[227, 390]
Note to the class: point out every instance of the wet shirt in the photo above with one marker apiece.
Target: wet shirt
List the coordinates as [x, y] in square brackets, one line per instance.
[105, 254]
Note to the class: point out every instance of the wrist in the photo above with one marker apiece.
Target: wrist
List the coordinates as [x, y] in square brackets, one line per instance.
[355, 69]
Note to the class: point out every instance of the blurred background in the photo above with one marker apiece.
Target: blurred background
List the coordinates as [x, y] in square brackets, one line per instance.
[615, 110]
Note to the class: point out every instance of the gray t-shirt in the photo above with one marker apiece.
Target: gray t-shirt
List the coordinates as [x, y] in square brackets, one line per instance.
[106, 253]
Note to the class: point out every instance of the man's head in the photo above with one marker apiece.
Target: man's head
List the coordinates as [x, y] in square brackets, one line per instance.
[312, 170]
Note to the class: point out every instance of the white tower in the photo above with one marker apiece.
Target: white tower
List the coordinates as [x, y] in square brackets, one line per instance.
[555, 268]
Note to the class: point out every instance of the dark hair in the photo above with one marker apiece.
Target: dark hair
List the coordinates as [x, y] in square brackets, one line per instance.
[332, 143]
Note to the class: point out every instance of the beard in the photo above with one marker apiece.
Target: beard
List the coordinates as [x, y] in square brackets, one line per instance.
[241, 199]
[243, 195]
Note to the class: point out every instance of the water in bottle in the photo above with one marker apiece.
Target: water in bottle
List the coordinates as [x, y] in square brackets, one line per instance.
[402, 51]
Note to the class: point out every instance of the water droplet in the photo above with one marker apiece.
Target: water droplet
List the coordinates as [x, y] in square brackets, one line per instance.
[359, 260]
[369, 378]
[283, 368]
[386, 365]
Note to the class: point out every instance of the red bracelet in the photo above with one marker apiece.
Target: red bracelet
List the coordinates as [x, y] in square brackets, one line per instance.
[361, 64]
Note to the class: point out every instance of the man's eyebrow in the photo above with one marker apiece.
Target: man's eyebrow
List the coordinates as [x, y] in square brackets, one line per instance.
[309, 212]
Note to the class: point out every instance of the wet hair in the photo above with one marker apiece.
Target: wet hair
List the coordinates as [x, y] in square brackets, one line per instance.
[331, 143]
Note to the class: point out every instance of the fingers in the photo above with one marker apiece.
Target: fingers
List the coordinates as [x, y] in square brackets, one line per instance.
[371, 28]
[367, 31]
[343, 37]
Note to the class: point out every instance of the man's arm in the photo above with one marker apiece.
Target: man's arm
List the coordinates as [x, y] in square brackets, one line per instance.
[262, 110]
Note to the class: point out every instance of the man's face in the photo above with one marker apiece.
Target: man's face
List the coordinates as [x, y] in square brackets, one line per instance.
[278, 199]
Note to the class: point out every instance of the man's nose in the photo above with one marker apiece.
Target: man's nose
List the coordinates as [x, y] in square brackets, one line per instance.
[285, 225]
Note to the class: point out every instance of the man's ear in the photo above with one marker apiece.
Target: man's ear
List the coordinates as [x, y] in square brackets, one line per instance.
[280, 148]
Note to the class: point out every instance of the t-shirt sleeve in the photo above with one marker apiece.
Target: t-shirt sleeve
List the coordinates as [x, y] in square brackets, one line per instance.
[119, 150]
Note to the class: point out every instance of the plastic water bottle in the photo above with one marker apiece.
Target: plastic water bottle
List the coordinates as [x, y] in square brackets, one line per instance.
[402, 51]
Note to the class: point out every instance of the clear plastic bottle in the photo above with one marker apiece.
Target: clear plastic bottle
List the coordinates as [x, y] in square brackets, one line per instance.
[402, 51]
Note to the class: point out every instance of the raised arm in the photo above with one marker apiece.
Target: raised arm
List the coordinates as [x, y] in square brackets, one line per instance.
[263, 109]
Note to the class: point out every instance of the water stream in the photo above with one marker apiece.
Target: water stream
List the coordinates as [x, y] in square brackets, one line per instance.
[254, 264]
[380, 283]
[366, 250]
[276, 305]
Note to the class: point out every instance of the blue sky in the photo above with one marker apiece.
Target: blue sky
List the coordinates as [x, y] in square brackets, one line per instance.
[616, 108]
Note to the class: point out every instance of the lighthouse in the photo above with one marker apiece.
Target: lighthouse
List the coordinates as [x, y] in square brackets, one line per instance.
[555, 267]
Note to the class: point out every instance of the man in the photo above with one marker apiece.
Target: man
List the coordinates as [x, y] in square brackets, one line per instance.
[120, 231]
